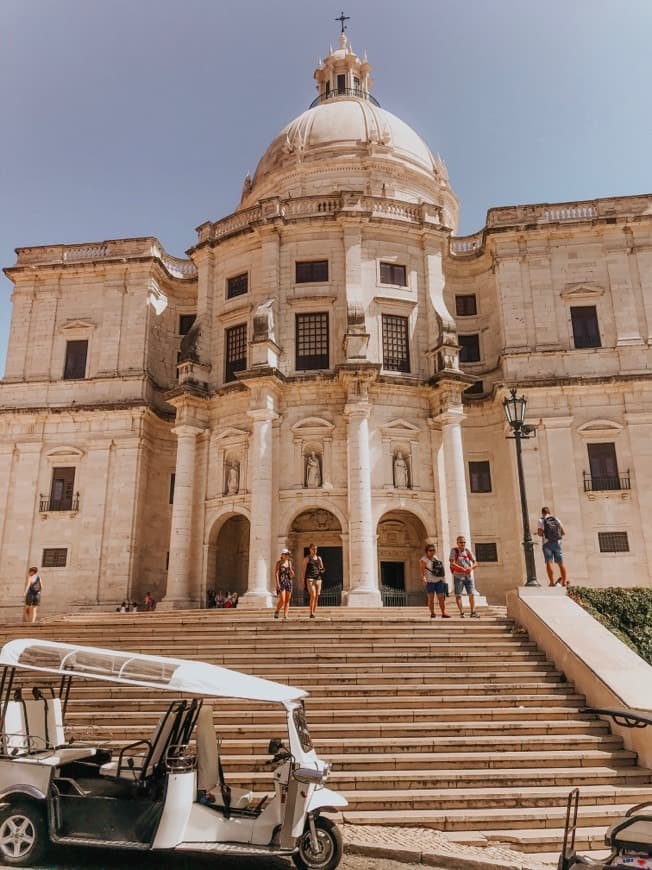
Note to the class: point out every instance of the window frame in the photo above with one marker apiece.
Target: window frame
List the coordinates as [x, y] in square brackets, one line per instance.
[466, 296]
[585, 342]
[469, 335]
[477, 550]
[186, 315]
[605, 538]
[298, 264]
[66, 501]
[386, 319]
[476, 476]
[68, 368]
[300, 317]
[388, 264]
[230, 281]
[229, 370]
[48, 560]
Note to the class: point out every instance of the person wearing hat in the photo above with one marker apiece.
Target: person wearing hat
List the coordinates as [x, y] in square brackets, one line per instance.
[283, 575]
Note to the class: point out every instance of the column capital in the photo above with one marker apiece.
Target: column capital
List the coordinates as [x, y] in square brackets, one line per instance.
[185, 430]
[357, 409]
[263, 415]
[448, 417]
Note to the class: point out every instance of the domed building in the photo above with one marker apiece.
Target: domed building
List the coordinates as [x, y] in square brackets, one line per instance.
[328, 366]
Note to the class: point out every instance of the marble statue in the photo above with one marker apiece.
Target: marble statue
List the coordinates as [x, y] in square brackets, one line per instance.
[313, 471]
[401, 473]
[233, 479]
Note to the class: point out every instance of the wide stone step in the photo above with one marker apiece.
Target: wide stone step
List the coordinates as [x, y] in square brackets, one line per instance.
[441, 799]
[531, 840]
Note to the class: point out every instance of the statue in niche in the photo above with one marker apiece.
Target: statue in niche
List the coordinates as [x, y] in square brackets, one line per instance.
[401, 472]
[313, 471]
[233, 478]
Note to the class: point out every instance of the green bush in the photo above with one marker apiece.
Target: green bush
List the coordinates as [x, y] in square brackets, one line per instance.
[627, 613]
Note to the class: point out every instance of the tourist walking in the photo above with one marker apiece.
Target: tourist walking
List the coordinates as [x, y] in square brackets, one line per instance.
[462, 565]
[33, 589]
[283, 575]
[551, 531]
[433, 574]
[149, 602]
[313, 574]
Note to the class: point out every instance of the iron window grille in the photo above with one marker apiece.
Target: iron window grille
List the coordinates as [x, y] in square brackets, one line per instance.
[237, 286]
[311, 271]
[75, 365]
[393, 273]
[396, 350]
[607, 483]
[613, 542]
[235, 343]
[54, 557]
[312, 341]
[486, 552]
[466, 305]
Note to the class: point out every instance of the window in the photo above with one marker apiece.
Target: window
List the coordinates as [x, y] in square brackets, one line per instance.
[466, 305]
[235, 344]
[475, 389]
[603, 466]
[75, 367]
[173, 478]
[396, 352]
[613, 542]
[237, 286]
[311, 341]
[341, 84]
[486, 552]
[392, 273]
[185, 323]
[480, 476]
[54, 557]
[62, 489]
[311, 271]
[586, 332]
[469, 348]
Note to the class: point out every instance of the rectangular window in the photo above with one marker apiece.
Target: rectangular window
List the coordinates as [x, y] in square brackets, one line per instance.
[486, 552]
[603, 466]
[311, 272]
[480, 476]
[613, 542]
[173, 478]
[185, 323]
[586, 332]
[475, 389]
[396, 351]
[54, 557]
[235, 349]
[75, 367]
[312, 341]
[392, 273]
[237, 286]
[62, 489]
[469, 348]
[466, 305]
[341, 84]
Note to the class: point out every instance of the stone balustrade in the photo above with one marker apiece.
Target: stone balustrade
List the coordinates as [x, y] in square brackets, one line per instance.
[464, 245]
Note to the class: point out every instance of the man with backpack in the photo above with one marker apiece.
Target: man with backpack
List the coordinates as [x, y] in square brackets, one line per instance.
[551, 531]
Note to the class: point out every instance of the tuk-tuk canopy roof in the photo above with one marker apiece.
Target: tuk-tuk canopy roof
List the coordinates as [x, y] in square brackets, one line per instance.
[137, 669]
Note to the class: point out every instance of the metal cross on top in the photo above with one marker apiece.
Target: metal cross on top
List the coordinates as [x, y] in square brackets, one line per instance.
[342, 18]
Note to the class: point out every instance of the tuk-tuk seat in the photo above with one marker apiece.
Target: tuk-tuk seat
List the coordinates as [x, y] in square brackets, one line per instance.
[208, 765]
[34, 725]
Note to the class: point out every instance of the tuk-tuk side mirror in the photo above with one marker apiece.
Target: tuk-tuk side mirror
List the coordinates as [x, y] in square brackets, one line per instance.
[274, 745]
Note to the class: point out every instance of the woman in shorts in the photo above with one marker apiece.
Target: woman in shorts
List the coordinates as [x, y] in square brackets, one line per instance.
[33, 589]
[283, 575]
[432, 575]
[313, 572]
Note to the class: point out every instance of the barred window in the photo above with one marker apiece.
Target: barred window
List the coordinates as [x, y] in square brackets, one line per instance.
[235, 345]
[480, 476]
[185, 323]
[466, 305]
[237, 286]
[54, 557]
[392, 273]
[486, 552]
[613, 542]
[312, 341]
[469, 348]
[62, 489]
[75, 365]
[396, 351]
[311, 271]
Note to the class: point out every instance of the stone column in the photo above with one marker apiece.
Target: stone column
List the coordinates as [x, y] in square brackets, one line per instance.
[444, 542]
[179, 592]
[458, 505]
[260, 535]
[363, 590]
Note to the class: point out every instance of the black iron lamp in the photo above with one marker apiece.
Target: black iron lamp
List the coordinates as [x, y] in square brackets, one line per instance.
[515, 408]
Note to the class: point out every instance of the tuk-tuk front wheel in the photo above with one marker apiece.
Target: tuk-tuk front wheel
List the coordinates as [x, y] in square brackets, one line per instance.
[329, 852]
[23, 836]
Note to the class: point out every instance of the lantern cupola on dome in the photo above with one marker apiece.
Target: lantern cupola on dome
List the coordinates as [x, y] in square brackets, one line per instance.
[343, 74]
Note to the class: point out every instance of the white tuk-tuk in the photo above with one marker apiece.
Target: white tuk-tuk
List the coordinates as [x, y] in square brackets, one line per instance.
[163, 793]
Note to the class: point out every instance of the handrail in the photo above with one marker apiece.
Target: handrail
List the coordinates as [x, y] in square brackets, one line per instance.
[604, 483]
[48, 504]
[344, 92]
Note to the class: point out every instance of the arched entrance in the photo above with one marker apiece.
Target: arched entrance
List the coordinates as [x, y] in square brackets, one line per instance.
[401, 537]
[321, 527]
[229, 562]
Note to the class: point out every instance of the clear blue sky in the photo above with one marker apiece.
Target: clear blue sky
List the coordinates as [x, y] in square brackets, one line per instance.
[141, 117]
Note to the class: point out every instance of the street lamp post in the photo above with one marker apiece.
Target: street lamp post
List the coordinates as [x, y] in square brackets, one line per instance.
[514, 408]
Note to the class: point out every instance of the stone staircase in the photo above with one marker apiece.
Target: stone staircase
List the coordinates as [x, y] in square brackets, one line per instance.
[461, 726]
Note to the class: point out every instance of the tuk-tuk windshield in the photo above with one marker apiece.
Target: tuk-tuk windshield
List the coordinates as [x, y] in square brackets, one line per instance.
[299, 716]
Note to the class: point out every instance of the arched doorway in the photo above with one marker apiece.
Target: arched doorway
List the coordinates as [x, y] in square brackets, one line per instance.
[401, 537]
[320, 527]
[230, 557]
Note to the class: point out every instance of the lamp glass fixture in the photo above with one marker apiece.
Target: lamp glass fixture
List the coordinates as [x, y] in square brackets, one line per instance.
[515, 409]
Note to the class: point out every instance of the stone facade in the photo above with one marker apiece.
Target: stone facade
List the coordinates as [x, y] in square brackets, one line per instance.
[320, 392]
